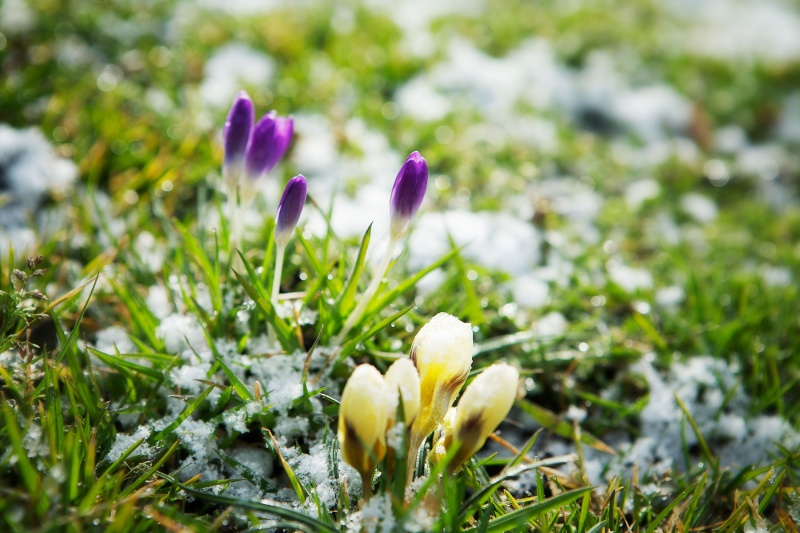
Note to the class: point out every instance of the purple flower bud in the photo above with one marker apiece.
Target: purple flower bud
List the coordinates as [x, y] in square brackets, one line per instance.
[269, 142]
[407, 193]
[289, 208]
[259, 152]
[236, 136]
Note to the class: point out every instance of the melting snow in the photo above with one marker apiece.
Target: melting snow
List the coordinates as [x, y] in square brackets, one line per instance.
[641, 191]
[629, 278]
[123, 442]
[230, 68]
[700, 207]
[183, 334]
[157, 302]
[776, 276]
[789, 124]
[16, 17]
[532, 74]
[745, 30]
[529, 291]
[420, 99]
[377, 515]
[670, 297]
[494, 240]
[550, 325]
[149, 251]
[113, 340]
[30, 171]
[711, 391]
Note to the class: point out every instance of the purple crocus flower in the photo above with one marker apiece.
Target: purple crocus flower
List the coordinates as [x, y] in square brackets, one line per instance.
[269, 142]
[256, 150]
[236, 137]
[289, 208]
[407, 193]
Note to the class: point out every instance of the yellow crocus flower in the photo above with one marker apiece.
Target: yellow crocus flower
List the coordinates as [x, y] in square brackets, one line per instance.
[363, 414]
[403, 381]
[442, 353]
[484, 404]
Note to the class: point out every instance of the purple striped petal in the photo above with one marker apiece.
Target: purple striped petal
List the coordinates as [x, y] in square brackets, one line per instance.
[269, 143]
[262, 146]
[236, 135]
[290, 207]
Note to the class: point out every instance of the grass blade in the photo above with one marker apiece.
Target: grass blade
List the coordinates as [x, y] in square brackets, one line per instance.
[515, 519]
[181, 417]
[298, 488]
[27, 472]
[283, 512]
[350, 345]
[659, 520]
[561, 427]
[282, 330]
[348, 295]
[485, 492]
[120, 362]
[406, 284]
[144, 477]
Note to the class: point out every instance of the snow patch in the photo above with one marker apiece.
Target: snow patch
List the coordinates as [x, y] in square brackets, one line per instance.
[230, 68]
[529, 291]
[377, 515]
[495, 240]
[641, 191]
[711, 392]
[122, 442]
[16, 17]
[630, 279]
[183, 335]
[670, 297]
[550, 325]
[31, 171]
[113, 340]
[745, 30]
[699, 207]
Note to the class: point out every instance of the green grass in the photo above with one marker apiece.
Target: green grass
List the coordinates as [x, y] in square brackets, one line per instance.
[64, 402]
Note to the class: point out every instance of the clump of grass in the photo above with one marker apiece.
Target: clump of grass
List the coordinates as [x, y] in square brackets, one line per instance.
[22, 302]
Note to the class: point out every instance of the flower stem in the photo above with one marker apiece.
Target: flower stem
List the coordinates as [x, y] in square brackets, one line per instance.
[366, 298]
[233, 222]
[414, 443]
[276, 278]
[276, 287]
[366, 484]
